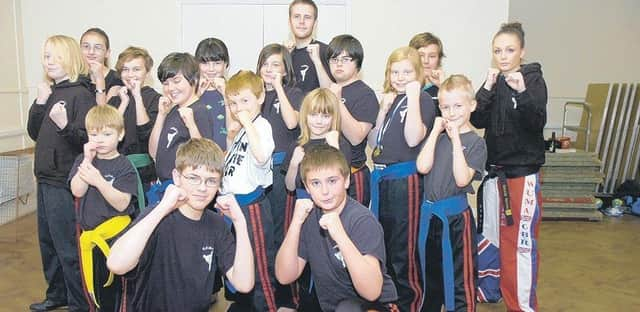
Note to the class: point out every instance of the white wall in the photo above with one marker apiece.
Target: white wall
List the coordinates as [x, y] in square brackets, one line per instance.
[12, 92]
[465, 27]
[580, 42]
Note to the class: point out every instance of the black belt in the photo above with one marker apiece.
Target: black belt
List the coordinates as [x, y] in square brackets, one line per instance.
[494, 172]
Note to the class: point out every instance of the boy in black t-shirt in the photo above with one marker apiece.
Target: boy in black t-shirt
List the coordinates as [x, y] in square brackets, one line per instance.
[104, 181]
[450, 161]
[309, 56]
[138, 105]
[341, 240]
[171, 250]
[358, 108]
[181, 116]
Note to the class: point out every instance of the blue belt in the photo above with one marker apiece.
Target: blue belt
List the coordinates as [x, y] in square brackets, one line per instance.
[243, 200]
[155, 192]
[246, 200]
[391, 172]
[278, 158]
[302, 193]
[441, 209]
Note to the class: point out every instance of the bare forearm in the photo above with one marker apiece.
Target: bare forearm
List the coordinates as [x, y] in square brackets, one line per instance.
[364, 270]
[289, 115]
[461, 171]
[78, 186]
[354, 130]
[242, 274]
[142, 117]
[290, 177]
[117, 199]
[372, 137]
[287, 270]
[255, 145]
[194, 132]
[424, 162]
[154, 138]
[101, 97]
[323, 77]
[414, 129]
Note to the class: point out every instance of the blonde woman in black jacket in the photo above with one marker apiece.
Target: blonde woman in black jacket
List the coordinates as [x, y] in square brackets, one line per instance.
[512, 110]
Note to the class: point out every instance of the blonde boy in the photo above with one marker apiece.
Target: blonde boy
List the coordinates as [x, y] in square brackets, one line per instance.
[247, 173]
[450, 161]
[104, 181]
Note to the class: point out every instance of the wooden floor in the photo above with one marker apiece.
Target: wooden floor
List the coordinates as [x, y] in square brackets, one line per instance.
[585, 266]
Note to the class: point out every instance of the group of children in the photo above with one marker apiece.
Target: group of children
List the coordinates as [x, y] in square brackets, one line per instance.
[261, 179]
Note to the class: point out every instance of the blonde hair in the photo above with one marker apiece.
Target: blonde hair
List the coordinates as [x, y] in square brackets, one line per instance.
[458, 83]
[104, 116]
[199, 152]
[66, 52]
[321, 101]
[422, 40]
[401, 54]
[132, 53]
[245, 79]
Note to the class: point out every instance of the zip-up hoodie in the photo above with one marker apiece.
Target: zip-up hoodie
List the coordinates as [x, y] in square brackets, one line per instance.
[56, 149]
[514, 122]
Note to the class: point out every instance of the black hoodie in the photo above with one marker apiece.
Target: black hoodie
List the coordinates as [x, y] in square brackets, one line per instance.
[56, 149]
[514, 122]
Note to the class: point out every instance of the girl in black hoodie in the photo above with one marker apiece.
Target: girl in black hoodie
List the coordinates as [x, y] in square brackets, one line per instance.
[512, 110]
[56, 123]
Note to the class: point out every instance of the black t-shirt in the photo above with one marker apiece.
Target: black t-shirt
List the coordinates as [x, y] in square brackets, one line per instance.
[344, 145]
[215, 100]
[362, 103]
[136, 138]
[394, 146]
[94, 209]
[433, 91]
[332, 280]
[174, 132]
[282, 136]
[439, 183]
[177, 267]
[305, 71]
[112, 79]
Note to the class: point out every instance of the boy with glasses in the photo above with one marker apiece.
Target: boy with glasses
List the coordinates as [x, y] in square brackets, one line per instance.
[358, 108]
[171, 250]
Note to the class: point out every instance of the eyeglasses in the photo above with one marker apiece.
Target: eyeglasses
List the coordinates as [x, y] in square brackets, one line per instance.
[88, 47]
[197, 180]
[341, 60]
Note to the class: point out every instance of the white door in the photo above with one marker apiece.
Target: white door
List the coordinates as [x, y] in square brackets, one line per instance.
[247, 26]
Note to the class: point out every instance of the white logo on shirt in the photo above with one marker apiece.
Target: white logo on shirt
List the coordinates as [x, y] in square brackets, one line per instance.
[109, 178]
[303, 71]
[276, 105]
[403, 113]
[208, 255]
[339, 256]
[173, 131]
